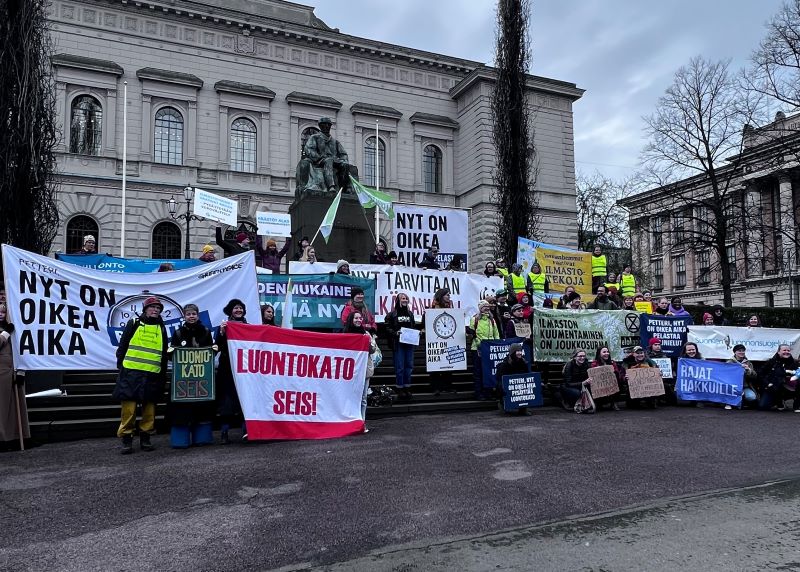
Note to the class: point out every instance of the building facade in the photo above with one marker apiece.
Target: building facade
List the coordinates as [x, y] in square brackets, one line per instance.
[761, 214]
[221, 94]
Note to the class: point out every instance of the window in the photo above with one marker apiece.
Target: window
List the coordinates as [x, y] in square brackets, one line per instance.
[432, 169]
[769, 299]
[243, 146]
[369, 162]
[704, 229]
[679, 227]
[703, 262]
[730, 218]
[78, 227]
[307, 132]
[166, 241]
[86, 126]
[658, 274]
[656, 233]
[679, 263]
[168, 137]
[730, 252]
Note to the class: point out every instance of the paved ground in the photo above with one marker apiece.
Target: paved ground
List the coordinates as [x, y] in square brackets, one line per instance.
[385, 500]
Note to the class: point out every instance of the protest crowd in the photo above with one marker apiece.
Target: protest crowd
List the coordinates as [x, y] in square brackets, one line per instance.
[522, 321]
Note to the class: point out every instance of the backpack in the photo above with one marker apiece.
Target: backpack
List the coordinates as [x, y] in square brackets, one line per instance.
[585, 403]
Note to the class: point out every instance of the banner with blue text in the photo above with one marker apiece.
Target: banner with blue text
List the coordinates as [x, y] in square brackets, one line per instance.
[116, 264]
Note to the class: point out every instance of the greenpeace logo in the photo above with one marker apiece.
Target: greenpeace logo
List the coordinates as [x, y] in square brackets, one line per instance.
[219, 271]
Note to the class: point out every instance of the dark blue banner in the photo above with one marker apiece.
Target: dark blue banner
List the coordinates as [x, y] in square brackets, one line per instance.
[671, 330]
[116, 264]
[701, 380]
[493, 352]
[522, 390]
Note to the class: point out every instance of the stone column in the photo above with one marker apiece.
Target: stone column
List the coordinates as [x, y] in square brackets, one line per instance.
[263, 162]
[146, 148]
[224, 146]
[110, 128]
[191, 136]
[788, 222]
[754, 232]
[62, 120]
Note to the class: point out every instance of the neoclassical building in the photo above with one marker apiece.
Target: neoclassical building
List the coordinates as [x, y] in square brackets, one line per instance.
[221, 94]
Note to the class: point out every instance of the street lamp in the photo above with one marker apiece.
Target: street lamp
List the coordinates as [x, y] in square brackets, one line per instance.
[188, 195]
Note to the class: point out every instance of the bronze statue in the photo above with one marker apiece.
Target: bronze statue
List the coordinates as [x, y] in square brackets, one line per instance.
[324, 166]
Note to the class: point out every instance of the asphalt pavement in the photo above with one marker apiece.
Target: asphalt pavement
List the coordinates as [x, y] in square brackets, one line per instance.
[410, 488]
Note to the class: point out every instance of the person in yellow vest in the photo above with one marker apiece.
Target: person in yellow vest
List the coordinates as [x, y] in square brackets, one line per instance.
[502, 267]
[537, 280]
[627, 282]
[599, 268]
[516, 282]
[142, 363]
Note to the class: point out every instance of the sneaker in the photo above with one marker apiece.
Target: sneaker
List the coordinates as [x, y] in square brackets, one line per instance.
[728, 407]
[144, 442]
[244, 438]
[127, 445]
[223, 438]
[797, 410]
[365, 429]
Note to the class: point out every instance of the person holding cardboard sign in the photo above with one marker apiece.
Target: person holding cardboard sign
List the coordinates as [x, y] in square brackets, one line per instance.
[602, 357]
[637, 360]
[403, 354]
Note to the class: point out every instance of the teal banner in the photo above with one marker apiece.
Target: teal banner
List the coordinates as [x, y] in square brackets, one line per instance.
[317, 299]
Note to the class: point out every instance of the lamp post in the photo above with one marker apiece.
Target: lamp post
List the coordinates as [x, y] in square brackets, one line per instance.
[188, 195]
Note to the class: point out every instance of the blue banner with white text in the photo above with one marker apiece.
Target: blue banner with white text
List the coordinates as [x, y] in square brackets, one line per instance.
[492, 352]
[702, 380]
[671, 330]
[116, 264]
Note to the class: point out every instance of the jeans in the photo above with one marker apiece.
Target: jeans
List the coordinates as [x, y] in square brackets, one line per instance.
[403, 364]
[569, 395]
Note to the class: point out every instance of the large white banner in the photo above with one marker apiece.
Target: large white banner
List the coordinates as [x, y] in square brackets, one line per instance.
[298, 385]
[420, 284]
[68, 317]
[417, 228]
[716, 342]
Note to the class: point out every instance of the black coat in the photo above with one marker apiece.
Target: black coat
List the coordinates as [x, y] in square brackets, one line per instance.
[575, 374]
[510, 367]
[229, 247]
[397, 319]
[774, 372]
[227, 398]
[181, 414]
[134, 384]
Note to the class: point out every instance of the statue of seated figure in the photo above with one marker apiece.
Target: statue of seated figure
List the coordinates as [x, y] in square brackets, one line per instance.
[324, 166]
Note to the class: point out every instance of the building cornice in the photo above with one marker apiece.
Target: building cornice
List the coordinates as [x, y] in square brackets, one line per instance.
[375, 110]
[167, 76]
[244, 89]
[84, 63]
[314, 99]
[431, 119]
[532, 82]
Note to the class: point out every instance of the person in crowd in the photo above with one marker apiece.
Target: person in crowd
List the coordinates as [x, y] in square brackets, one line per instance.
[343, 267]
[441, 381]
[563, 301]
[429, 259]
[537, 280]
[12, 391]
[208, 254]
[233, 247]
[268, 315]
[708, 319]
[599, 267]
[513, 364]
[719, 316]
[547, 303]
[456, 264]
[690, 351]
[628, 304]
[575, 372]
[750, 386]
[501, 311]
[142, 363]
[89, 245]
[166, 267]
[379, 256]
[602, 301]
[502, 267]
[301, 248]
[575, 302]
[190, 423]
[676, 307]
[655, 351]
[227, 399]
[401, 317]
[662, 307]
[309, 255]
[612, 284]
[647, 295]
[637, 359]
[516, 282]
[517, 319]
[754, 321]
[602, 356]
[484, 328]
[355, 325]
[490, 270]
[525, 301]
[269, 256]
[627, 282]
[774, 380]
[356, 303]
[394, 260]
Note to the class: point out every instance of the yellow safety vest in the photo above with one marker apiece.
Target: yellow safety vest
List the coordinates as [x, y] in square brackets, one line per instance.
[599, 265]
[503, 272]
[628, 283]
[537, 281]
[517, 283]
[610, 285]
[144, 349]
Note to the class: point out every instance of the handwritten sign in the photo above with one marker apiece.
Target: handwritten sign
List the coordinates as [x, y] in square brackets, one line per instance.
[643, 306]
[215, 207]
[665, 365]
[192, 375]
[604, 381]
[522, 330]
[522, 390]
[274, 224]
[645, 382]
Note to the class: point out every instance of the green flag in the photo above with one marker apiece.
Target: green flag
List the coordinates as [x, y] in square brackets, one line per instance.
[327, 223]
[369, 197]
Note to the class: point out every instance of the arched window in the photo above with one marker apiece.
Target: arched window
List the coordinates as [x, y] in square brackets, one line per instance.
[168, 132]
[86, 126]
[243, 146]
[432, 169]
[166, 240]
[78, 227]
[307, 132]
[369, 162]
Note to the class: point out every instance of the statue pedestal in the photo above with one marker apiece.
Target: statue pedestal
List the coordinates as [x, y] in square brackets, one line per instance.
[351, 238]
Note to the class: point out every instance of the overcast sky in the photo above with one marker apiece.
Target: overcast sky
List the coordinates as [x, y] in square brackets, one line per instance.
[622, 52]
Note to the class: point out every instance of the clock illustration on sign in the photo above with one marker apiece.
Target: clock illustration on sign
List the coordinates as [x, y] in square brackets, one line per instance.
[131, 307]
[445, 325]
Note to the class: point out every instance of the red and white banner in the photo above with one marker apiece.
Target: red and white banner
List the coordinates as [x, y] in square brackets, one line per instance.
[298, 385]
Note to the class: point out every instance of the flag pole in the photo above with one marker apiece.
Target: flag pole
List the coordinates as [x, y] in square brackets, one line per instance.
[377, 182]
[124, 162]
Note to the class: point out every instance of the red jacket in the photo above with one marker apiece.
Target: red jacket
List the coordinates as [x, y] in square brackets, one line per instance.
[369, 319]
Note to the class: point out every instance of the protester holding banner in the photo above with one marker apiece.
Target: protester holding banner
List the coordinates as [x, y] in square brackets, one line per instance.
[599, 269]
[355, 325]
[513, 364]
[636, 360]
[429, 259]
[440, 380]
[394, 260]
[396, 320]
[208, 254]
[754, 321]
[602, 357]
[662, 307]
[612, 285]
[233, 247]
[719, 318]
[563, 302]
[227, 402]
[628, 304]
[356, 303]
[13, 410]
[301, 248]
[602, 301]
[484, 328]
[343, 267]
[750, 393]
[676, 307]
[309, 255]
[270, 257]
[267, 315]
[774, 380]
[142, 363]
[518, 325]
[89, 245]
[537, 280]
[575, 372]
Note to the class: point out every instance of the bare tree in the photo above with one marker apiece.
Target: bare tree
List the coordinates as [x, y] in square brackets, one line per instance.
[775, 69]
[515, 173]
[28, 211]
[600, 219]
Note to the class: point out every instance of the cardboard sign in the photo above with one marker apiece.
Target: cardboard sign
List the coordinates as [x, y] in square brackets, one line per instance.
[192, 375]
[445, 340]
[645, 382]
[522, 390]
[646, 307]
[665, 365]
[215, 207]
[604, 381]
[522, 330]
[274, 224]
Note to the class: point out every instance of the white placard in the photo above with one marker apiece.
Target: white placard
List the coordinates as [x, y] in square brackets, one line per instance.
[274, 224]
[409, 336]
[416, 228]
[665, 365]
[215, 207]
[445, 340]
